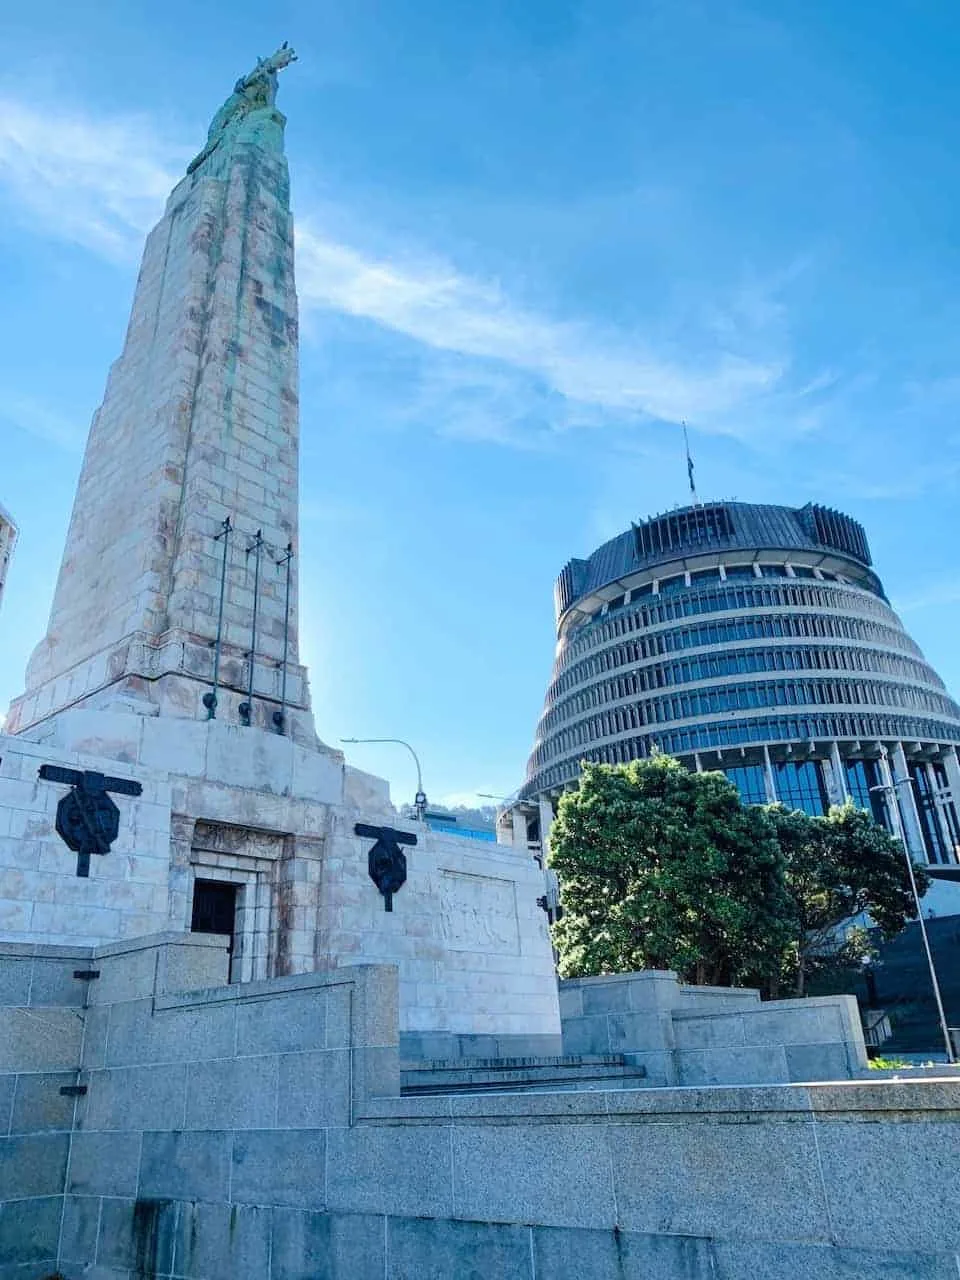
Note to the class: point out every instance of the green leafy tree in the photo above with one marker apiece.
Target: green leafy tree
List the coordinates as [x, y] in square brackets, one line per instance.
[661, 868]
[838, 867]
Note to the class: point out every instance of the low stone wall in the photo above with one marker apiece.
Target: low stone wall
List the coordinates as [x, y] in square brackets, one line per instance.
[41, 1038]
[255, 1132]
[688, 1035]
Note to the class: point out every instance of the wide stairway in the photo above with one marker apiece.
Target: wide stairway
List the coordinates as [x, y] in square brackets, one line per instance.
[519, 1075]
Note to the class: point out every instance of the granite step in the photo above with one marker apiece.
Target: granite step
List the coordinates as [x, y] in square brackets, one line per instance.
[516, 1075]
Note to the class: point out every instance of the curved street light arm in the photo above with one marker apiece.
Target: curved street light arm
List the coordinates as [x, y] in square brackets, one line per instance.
[421, 800]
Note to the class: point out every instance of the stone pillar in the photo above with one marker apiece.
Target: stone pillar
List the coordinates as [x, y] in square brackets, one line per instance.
[265, 894]
[913, 833]
[180, 884]
[769, 784]
[251, 961]
[299, 877]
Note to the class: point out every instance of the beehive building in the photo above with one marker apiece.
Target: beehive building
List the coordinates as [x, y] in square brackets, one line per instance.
[754, 639]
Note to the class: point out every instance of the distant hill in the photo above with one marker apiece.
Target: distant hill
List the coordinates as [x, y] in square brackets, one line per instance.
[483, 818]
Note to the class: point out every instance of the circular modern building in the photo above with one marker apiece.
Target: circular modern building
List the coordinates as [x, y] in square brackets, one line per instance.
[757, 640]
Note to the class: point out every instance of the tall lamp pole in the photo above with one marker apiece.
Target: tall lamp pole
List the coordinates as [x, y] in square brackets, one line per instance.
[889, 789]
[420, 800]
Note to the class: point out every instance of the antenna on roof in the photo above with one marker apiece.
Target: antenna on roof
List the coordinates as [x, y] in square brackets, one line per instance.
[686, 446]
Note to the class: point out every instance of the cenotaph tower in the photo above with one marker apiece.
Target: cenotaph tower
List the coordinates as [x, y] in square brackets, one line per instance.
[177, 593]
[161, 772]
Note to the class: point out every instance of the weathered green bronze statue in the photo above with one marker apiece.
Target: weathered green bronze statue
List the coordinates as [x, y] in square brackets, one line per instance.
[253, 91]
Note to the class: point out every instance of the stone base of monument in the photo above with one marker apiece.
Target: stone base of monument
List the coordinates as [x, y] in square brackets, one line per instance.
[285, 833]
[156, 1120]
[166, 677]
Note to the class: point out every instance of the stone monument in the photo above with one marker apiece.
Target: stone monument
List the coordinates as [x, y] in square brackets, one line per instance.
[179, 576]
[161, 769]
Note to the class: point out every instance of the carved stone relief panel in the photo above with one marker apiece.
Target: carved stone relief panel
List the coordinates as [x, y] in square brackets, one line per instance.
[478, 913]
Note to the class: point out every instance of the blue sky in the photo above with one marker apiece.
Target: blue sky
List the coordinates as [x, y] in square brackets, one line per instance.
[531, 238]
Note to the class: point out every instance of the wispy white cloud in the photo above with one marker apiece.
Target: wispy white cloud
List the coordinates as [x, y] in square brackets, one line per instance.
[37, 419]
[435, 305]
[100, 182]
[936, 595]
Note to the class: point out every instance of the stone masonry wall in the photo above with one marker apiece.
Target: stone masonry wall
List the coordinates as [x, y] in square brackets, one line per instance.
[255, 1133]
[468, 935]
[41, 897]
[277, 820]
[41, 1047]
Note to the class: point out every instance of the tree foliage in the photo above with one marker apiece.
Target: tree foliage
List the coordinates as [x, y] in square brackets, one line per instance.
[661, 868]
[838, 867]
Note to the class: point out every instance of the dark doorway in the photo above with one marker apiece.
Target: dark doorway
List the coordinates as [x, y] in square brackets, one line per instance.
[214, 908]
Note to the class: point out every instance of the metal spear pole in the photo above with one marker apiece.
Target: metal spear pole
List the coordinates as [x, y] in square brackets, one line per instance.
[210, 698]
[246, 708]
[420, 800]
[280, 716]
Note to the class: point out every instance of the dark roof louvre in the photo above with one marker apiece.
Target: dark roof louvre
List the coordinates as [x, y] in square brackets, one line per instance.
[833, 529]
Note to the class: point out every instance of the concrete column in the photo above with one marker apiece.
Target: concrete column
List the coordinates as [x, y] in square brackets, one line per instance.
[697, 762]
[838, 790]
[952, 768]
[546, 822]
[519, 827]
[504, 833]
[769, 783]
[940, 817]
[913, 833]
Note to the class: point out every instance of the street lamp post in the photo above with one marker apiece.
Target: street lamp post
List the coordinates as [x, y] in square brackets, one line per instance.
[420, 800]
[889, 788]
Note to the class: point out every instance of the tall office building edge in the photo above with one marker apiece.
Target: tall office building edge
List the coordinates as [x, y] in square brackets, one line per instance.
[753, 639]
[8, 540]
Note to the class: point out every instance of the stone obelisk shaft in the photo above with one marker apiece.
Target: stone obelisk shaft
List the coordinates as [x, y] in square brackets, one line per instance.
[199, 423]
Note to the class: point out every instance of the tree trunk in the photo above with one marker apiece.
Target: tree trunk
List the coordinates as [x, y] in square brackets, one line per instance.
[800, 988]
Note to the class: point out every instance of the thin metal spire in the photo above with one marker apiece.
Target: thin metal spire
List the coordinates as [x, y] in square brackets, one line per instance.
[686, 446]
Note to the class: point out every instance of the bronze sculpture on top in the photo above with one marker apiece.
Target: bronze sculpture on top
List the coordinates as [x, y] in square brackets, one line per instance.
[256, 89]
